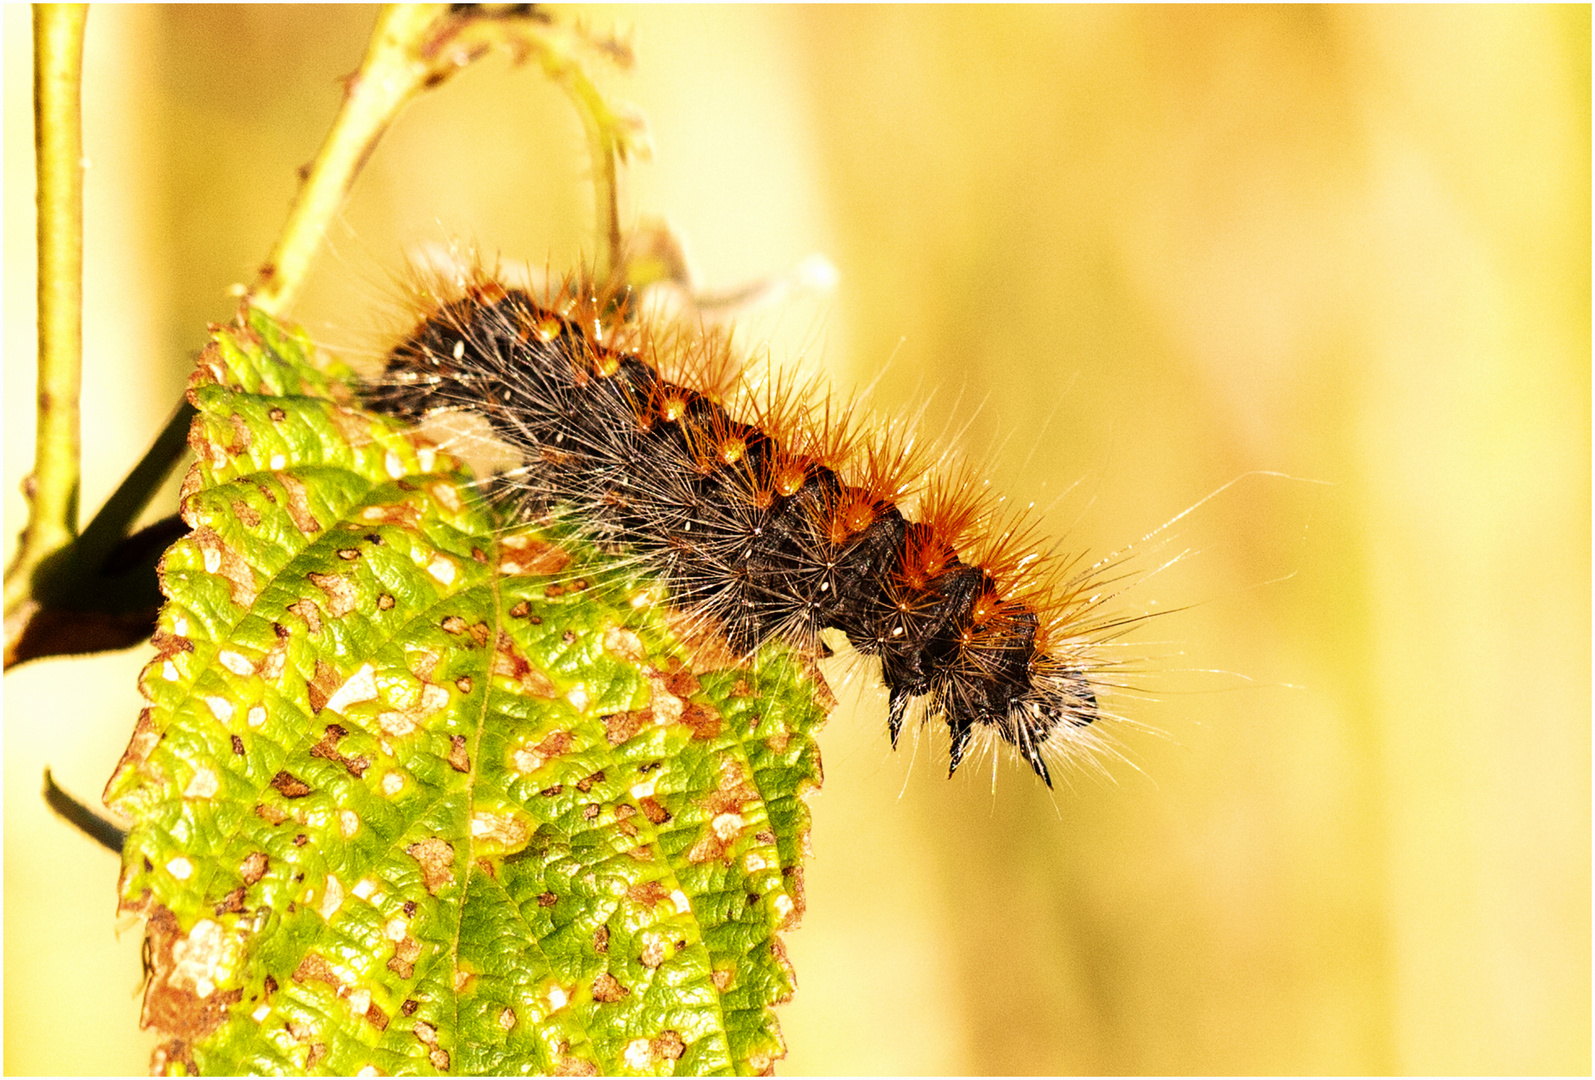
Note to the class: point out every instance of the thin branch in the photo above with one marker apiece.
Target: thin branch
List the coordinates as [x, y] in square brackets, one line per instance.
[396, 67]
[610, 138]
[614, 135]
[52, 490]
[416, 47]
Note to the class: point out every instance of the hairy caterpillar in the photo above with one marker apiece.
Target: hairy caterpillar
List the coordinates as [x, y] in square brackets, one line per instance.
[763, 509]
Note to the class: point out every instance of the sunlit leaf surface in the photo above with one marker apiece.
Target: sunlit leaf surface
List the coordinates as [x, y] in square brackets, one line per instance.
[417, 793]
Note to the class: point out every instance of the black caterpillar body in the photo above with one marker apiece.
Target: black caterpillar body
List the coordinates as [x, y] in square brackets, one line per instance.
[745, 528]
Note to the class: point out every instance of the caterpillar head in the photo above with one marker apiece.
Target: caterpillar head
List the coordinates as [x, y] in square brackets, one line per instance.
[1051, 714]
[1039, 703]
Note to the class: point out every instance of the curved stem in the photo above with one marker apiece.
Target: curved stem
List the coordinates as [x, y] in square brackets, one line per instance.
[606, 144]
[415, 47]
[395, 68]
[52, 490]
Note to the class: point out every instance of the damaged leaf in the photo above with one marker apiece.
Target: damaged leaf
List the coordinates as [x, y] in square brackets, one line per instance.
[417, 792]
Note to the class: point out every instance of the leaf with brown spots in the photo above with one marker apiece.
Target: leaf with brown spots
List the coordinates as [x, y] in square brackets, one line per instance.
[420, 790]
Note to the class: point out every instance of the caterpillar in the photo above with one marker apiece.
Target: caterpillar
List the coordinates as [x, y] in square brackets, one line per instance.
[762, 508]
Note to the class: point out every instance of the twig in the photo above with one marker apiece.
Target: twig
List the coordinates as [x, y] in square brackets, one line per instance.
[611, 139]
[415, 47]
[52, 490]
[397, 65]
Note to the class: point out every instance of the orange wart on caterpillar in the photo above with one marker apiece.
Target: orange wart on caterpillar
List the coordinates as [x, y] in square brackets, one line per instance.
[765, 515]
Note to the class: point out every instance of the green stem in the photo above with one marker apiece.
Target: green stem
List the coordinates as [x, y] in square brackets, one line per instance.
[395, 68]
[52, 490]
[604, 143]
[415, 47]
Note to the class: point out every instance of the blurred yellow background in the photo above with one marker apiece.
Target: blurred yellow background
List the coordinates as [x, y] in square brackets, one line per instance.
[1140, 253]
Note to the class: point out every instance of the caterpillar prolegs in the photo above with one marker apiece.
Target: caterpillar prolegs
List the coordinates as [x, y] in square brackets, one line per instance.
[763, 509]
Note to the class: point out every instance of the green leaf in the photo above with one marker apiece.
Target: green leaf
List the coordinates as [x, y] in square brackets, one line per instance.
[421, 791]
